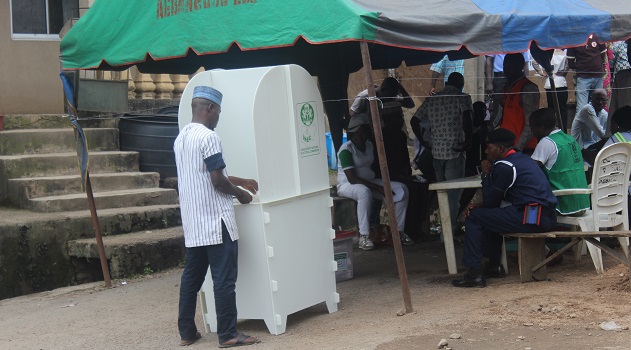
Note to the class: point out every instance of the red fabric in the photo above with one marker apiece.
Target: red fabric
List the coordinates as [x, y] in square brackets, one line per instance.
[513, 112]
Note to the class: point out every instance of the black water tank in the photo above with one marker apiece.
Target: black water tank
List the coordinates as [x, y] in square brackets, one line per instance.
[152, 136]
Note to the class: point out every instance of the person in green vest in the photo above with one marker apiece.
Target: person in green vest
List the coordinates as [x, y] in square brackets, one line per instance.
[559, 156]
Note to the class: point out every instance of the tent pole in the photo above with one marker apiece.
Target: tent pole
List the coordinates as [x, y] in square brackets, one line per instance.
[97, 232]
[385, 176]
[557, 108]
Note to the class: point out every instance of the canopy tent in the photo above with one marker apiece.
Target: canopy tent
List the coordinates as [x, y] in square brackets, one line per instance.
[179, 36]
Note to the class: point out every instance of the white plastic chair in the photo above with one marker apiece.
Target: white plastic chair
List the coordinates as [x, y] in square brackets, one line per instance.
[608, 190]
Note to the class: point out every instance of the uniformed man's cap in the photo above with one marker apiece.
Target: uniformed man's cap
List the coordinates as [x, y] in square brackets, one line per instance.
[501, 137]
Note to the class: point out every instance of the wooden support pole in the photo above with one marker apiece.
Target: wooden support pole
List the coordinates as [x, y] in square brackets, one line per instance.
[385, 176]
[557, 108]
[97, 232]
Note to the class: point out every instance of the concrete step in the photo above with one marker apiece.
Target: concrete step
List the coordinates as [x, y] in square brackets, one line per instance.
[72, 225]
[52, 121]
[37, 165]
[109, 199]
[22, 189]
[33, 141]
[135, 253]
[34, 250]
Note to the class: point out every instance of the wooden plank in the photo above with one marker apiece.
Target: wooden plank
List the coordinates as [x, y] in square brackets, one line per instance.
[456, 184]
[553, 256]
[530, 252]
[621, 257]
[448, 240]
[556, 234]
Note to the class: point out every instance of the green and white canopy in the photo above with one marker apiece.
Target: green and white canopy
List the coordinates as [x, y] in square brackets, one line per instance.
[179, 36]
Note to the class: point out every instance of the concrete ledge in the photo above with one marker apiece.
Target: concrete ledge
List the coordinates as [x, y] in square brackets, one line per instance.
[33, 246]
[134, 253]
[66, 164]
[52, 121]
[34, 187]
[33, 141]
[104, 200]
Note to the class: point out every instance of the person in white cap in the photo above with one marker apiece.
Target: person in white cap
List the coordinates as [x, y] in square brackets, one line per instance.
[208, 221]
[356, 180]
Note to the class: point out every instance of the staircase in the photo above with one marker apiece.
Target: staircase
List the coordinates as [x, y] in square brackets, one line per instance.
[39, 176]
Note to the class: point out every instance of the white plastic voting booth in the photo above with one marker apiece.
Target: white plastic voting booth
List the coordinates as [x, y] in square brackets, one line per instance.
[272, 130]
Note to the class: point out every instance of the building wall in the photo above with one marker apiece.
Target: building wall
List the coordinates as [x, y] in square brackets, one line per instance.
[29, 72]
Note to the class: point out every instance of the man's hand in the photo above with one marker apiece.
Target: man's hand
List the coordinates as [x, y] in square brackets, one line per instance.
[469, 208]
[485, 166]
[244, 197]
[251, 185]
[489, 87]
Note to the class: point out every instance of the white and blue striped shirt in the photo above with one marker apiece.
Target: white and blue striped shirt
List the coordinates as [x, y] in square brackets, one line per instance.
[203, 207]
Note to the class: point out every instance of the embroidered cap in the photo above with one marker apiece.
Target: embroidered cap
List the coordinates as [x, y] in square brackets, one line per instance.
[358, 120]
[208, 93]
[501, 137]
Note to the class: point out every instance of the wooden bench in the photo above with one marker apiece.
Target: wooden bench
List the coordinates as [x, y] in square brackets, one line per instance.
[531, 251]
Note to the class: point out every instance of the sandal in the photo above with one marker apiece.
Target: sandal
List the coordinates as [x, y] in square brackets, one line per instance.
[197, 337]
[240, 340]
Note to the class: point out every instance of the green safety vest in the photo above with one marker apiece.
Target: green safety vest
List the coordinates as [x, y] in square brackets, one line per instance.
[620, 138]
[568, 172]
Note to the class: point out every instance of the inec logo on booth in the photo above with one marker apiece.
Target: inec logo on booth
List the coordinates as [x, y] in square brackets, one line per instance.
[307, 129]
[307, 114]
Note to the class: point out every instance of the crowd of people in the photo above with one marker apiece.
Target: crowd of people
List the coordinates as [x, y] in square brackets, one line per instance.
[521, 152]
[518, 149]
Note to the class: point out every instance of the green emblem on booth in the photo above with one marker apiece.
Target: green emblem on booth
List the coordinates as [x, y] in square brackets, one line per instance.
[307, 133]
[307, 114]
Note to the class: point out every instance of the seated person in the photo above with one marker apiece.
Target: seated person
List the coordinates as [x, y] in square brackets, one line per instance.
[559, 156]
[591, 121]
[515, 178]
[356, 180]
[621, 127]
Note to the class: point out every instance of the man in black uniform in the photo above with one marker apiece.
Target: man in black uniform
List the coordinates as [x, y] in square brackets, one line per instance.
[511, 176]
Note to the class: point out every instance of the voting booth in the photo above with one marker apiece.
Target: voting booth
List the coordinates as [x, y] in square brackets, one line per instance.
[272, 130]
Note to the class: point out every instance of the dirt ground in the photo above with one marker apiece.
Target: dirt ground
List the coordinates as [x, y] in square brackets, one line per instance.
[564, 312]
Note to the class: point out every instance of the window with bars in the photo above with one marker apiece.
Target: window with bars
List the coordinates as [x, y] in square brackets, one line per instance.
[41, 19]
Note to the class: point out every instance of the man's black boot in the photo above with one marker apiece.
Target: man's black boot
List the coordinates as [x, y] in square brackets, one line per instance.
[471, 279]
[494, 271]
